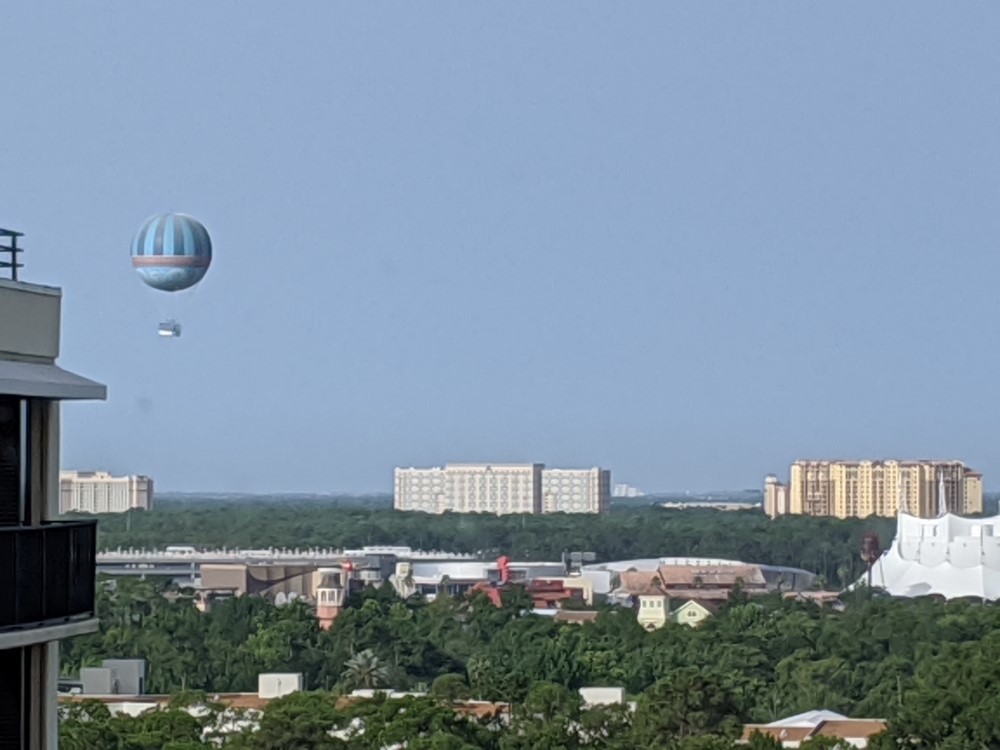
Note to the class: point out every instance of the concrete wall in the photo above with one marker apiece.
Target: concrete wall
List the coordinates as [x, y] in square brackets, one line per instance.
[31, 321]
[260, 580]
[98, 680]
[602, 696]
[224, 576]
[578, 583]
[129, 674]
[275, 684]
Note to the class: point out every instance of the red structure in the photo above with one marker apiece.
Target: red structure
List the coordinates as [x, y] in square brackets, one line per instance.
[545, 594]
[491, 591]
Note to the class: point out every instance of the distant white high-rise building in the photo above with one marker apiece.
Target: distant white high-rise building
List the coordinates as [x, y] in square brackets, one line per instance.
[470, 488]
[502, 489]
[627, 490]
[99, 492]
[576, 490]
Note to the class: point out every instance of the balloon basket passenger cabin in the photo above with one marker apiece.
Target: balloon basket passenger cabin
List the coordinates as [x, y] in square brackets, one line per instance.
[170, 329]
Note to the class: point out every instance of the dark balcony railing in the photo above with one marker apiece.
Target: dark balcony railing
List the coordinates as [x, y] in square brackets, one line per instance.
[47, 574]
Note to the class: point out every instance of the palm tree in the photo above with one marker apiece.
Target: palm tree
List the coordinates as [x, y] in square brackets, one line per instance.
[365, 670]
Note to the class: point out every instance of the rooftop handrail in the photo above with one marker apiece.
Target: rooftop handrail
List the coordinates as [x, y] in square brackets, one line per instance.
[9, 252]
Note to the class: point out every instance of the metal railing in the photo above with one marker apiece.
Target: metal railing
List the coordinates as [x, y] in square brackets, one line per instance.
[272, 555]
[9, 252]
[47, 574]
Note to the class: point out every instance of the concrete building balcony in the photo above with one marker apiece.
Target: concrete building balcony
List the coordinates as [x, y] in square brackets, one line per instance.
[48, 573]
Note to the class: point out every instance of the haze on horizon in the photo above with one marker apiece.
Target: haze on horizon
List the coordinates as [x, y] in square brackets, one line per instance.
[687, 242]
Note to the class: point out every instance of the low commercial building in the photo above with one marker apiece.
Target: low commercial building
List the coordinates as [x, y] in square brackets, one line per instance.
[795, 730]
[430, 579]
[276, 583]
[325, 586]
[683, 578]
[100, 492]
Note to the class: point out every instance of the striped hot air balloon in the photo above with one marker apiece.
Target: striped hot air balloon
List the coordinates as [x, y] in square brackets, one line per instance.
[172, 252]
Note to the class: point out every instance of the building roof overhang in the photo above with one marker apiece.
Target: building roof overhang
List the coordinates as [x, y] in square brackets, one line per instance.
[48, 381]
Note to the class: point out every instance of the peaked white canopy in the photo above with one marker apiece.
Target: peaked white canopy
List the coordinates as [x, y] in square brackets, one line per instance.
[948, 556]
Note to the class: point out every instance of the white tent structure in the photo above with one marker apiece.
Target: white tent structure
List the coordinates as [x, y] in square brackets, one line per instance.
[948, 556]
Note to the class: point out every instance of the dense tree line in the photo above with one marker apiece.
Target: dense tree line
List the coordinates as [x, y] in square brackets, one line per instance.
[825, 546]
[550, 718]
[929, 667]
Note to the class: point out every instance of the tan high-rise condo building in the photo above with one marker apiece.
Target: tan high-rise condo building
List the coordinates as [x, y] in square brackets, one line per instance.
[845, 489]
[775, 496]
[99, 492]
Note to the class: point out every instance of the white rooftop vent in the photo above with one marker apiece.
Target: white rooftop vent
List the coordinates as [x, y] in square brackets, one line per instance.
[277, 684]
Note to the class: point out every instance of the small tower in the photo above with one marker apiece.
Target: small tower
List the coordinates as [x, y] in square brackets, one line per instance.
[652, 609]
[402, 580]
[331, 592]
[871, 551]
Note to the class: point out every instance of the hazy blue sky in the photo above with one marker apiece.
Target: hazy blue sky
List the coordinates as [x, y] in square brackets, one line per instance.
[689, 241]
